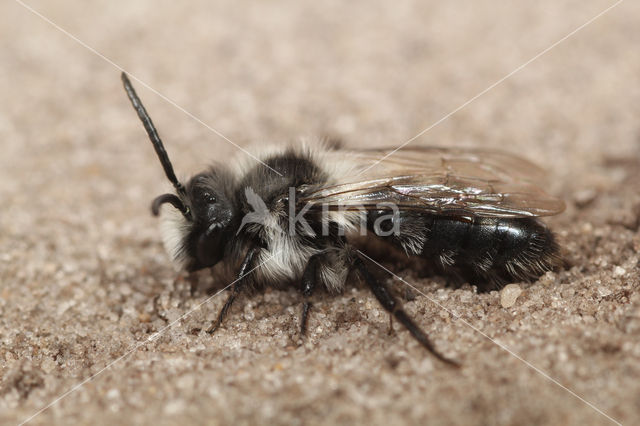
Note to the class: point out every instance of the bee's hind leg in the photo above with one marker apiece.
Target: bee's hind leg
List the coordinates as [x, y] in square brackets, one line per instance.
[237, 285]
[309, 281]
[392, 305]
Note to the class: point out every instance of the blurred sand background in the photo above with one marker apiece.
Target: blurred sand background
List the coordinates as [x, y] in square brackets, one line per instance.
[84, 278]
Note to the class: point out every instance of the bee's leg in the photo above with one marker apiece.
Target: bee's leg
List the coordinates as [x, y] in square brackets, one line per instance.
[309, 281]
[235, 289]
[391, 304]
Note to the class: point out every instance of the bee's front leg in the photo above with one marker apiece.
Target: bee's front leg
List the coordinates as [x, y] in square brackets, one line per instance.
[309, 280]
[237, 285]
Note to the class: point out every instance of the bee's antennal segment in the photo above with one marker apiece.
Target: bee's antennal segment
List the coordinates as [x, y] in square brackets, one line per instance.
[152, 132]
[168, 198]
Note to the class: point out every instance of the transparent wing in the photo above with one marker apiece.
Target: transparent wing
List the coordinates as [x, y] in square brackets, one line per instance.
[454, 181]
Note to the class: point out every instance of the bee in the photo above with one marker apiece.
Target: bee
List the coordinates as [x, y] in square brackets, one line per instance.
[293, 218]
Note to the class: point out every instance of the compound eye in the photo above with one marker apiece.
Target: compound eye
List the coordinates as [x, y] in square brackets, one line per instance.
[209, 198]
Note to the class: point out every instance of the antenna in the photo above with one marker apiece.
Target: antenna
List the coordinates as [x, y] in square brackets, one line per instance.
[152, 132]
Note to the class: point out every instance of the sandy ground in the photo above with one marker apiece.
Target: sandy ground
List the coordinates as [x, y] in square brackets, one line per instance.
[85, 281]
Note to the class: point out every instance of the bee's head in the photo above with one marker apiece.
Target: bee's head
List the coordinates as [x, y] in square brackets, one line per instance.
[196, 229]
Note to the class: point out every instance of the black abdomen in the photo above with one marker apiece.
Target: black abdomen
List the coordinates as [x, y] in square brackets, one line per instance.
[483, 250]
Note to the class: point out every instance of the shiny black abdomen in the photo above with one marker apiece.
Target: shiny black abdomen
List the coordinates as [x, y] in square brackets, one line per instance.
[486, 251]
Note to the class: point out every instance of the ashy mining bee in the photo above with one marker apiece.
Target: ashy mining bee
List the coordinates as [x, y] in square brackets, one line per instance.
[291, 219]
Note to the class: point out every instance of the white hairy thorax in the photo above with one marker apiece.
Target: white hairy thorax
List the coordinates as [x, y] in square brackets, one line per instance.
[285, 256]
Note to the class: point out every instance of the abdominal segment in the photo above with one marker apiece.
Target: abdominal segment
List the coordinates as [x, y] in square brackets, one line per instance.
[486, 251]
